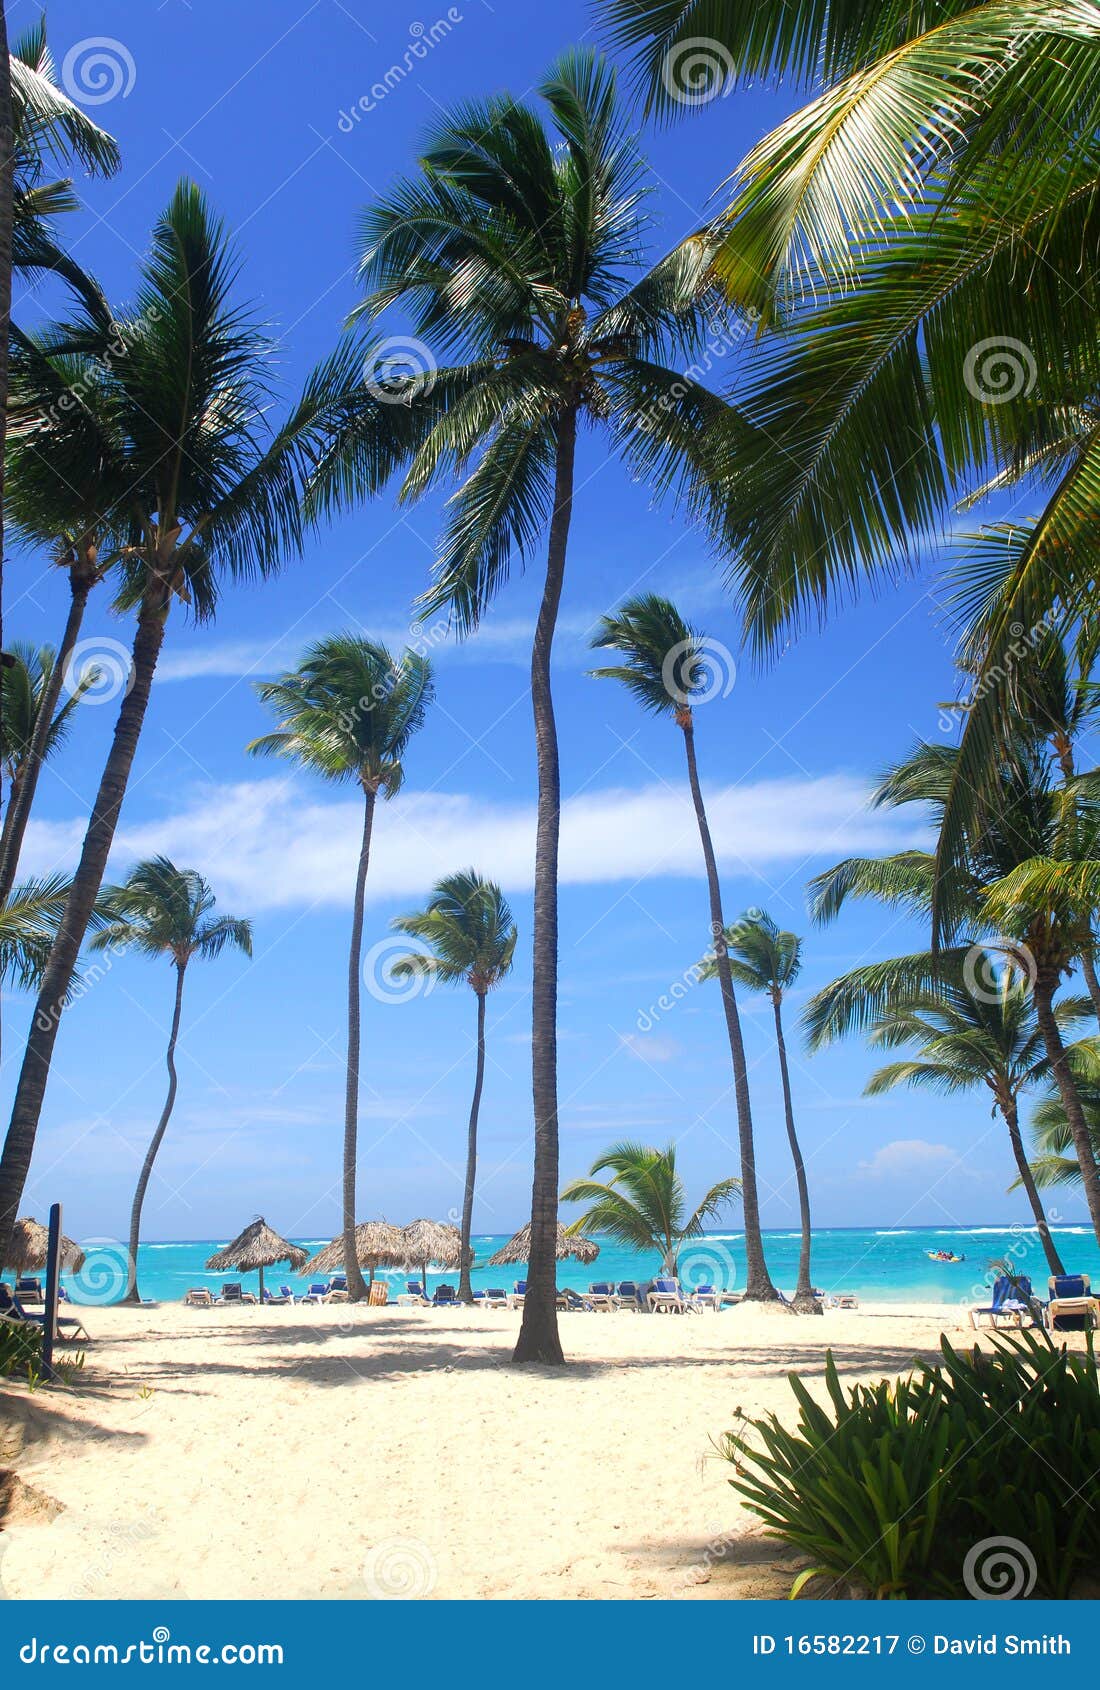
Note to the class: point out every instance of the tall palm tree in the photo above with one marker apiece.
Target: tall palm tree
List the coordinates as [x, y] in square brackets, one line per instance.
[348, 713]
[518, 253]
[165, 912]
[192, 485]
[643, 1205]
[471, 935]
[664, 669]
[967, 1038]
[765, 958]
[30, 719]
[888, 218]
[1054, 1158]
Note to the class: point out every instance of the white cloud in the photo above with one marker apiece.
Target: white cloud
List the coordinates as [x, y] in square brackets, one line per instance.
[904, 1157]
[268, 844]
[651, 1048]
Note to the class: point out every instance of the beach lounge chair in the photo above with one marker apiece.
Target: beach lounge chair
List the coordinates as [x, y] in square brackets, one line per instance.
[29, 1290]
[570, 1299]
[704, 1297]
[317, 1292]
[412, 1294]
[1010, 1300]
[628, 1295]
[444, 1296]
[665, 1297]
[337, 1289]
[1071, 1301]
[496, 1297]
[602, 1296]
[199, 1297]
[379, 1294]
[275, 1299]
[69, 1330]
[232, 1293]
[519, 1291]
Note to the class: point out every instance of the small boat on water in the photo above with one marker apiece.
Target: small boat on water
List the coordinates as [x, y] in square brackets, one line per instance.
[943, 1256]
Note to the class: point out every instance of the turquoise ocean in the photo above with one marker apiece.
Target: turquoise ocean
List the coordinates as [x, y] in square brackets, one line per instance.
[881, 1265]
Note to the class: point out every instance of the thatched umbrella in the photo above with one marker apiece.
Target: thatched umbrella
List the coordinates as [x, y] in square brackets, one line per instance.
[569, 1244]
[433, 1241]
[29, 1242]
[377, 1244]
[256, 1248]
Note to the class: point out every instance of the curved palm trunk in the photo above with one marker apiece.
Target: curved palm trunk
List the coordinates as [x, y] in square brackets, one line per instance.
[133, 1295]
[1043, 993]
[1088, 969]
[465, 1289]
[538, 1335]
[1027, 1180]
[7, 188]
[804, 1300]
[31, 1089]
[22, 799]
[357, 1288]
[759, 1288]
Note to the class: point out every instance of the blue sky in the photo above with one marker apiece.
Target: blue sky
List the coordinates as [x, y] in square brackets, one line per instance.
[251, 99]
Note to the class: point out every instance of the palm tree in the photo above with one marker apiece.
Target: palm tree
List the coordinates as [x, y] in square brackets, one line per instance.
[162, 911]
[517, 251]
[348, 713]
[643, 1204]
[664, 668]
[1054, 1158]
[192, 485]
[766, 958]
[469, 928]
[886, 221]
[30, 720]
[969, 1037]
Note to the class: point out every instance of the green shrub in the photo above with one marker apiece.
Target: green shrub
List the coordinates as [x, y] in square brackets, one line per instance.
[20, 1348]
[896, 1484]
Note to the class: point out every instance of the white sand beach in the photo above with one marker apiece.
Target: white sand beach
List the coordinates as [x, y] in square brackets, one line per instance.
[359, 1453]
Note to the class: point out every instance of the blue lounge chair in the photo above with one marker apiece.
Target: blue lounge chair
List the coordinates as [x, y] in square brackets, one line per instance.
[704, 1297]
[1072, 1306]
[519, 1291]
[233, 1293]
[69, 1329]
[628, 1295]
[665, 1294]
[29, 1290]
[443, 1295]
[317, 1292]
[285, 1295]
[1010, 1300]
[601, 1296]
[570, 1299]
[496, 1297]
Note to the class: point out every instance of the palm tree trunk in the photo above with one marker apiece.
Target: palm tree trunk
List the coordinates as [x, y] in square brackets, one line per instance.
[759, 1288]
[357, 1288]
[465, 1289]
[19, 807]
[1027, 1180]
[804, 1300]
[7, 189]
[1088, 969]
[1043, 993]
[538, 1335]
[133, 1295]
[31, 1089]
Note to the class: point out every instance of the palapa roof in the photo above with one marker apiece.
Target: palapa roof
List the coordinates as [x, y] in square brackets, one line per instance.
[569, 1244]
[258, 1246]
[29, 1240]
[433, 1241]
[377, 1244]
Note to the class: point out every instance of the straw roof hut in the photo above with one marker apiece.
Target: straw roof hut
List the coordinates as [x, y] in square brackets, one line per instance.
[29, 1241]
[256, 1248]
[569, 1244]
[377, 1244]
[433, 1241]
